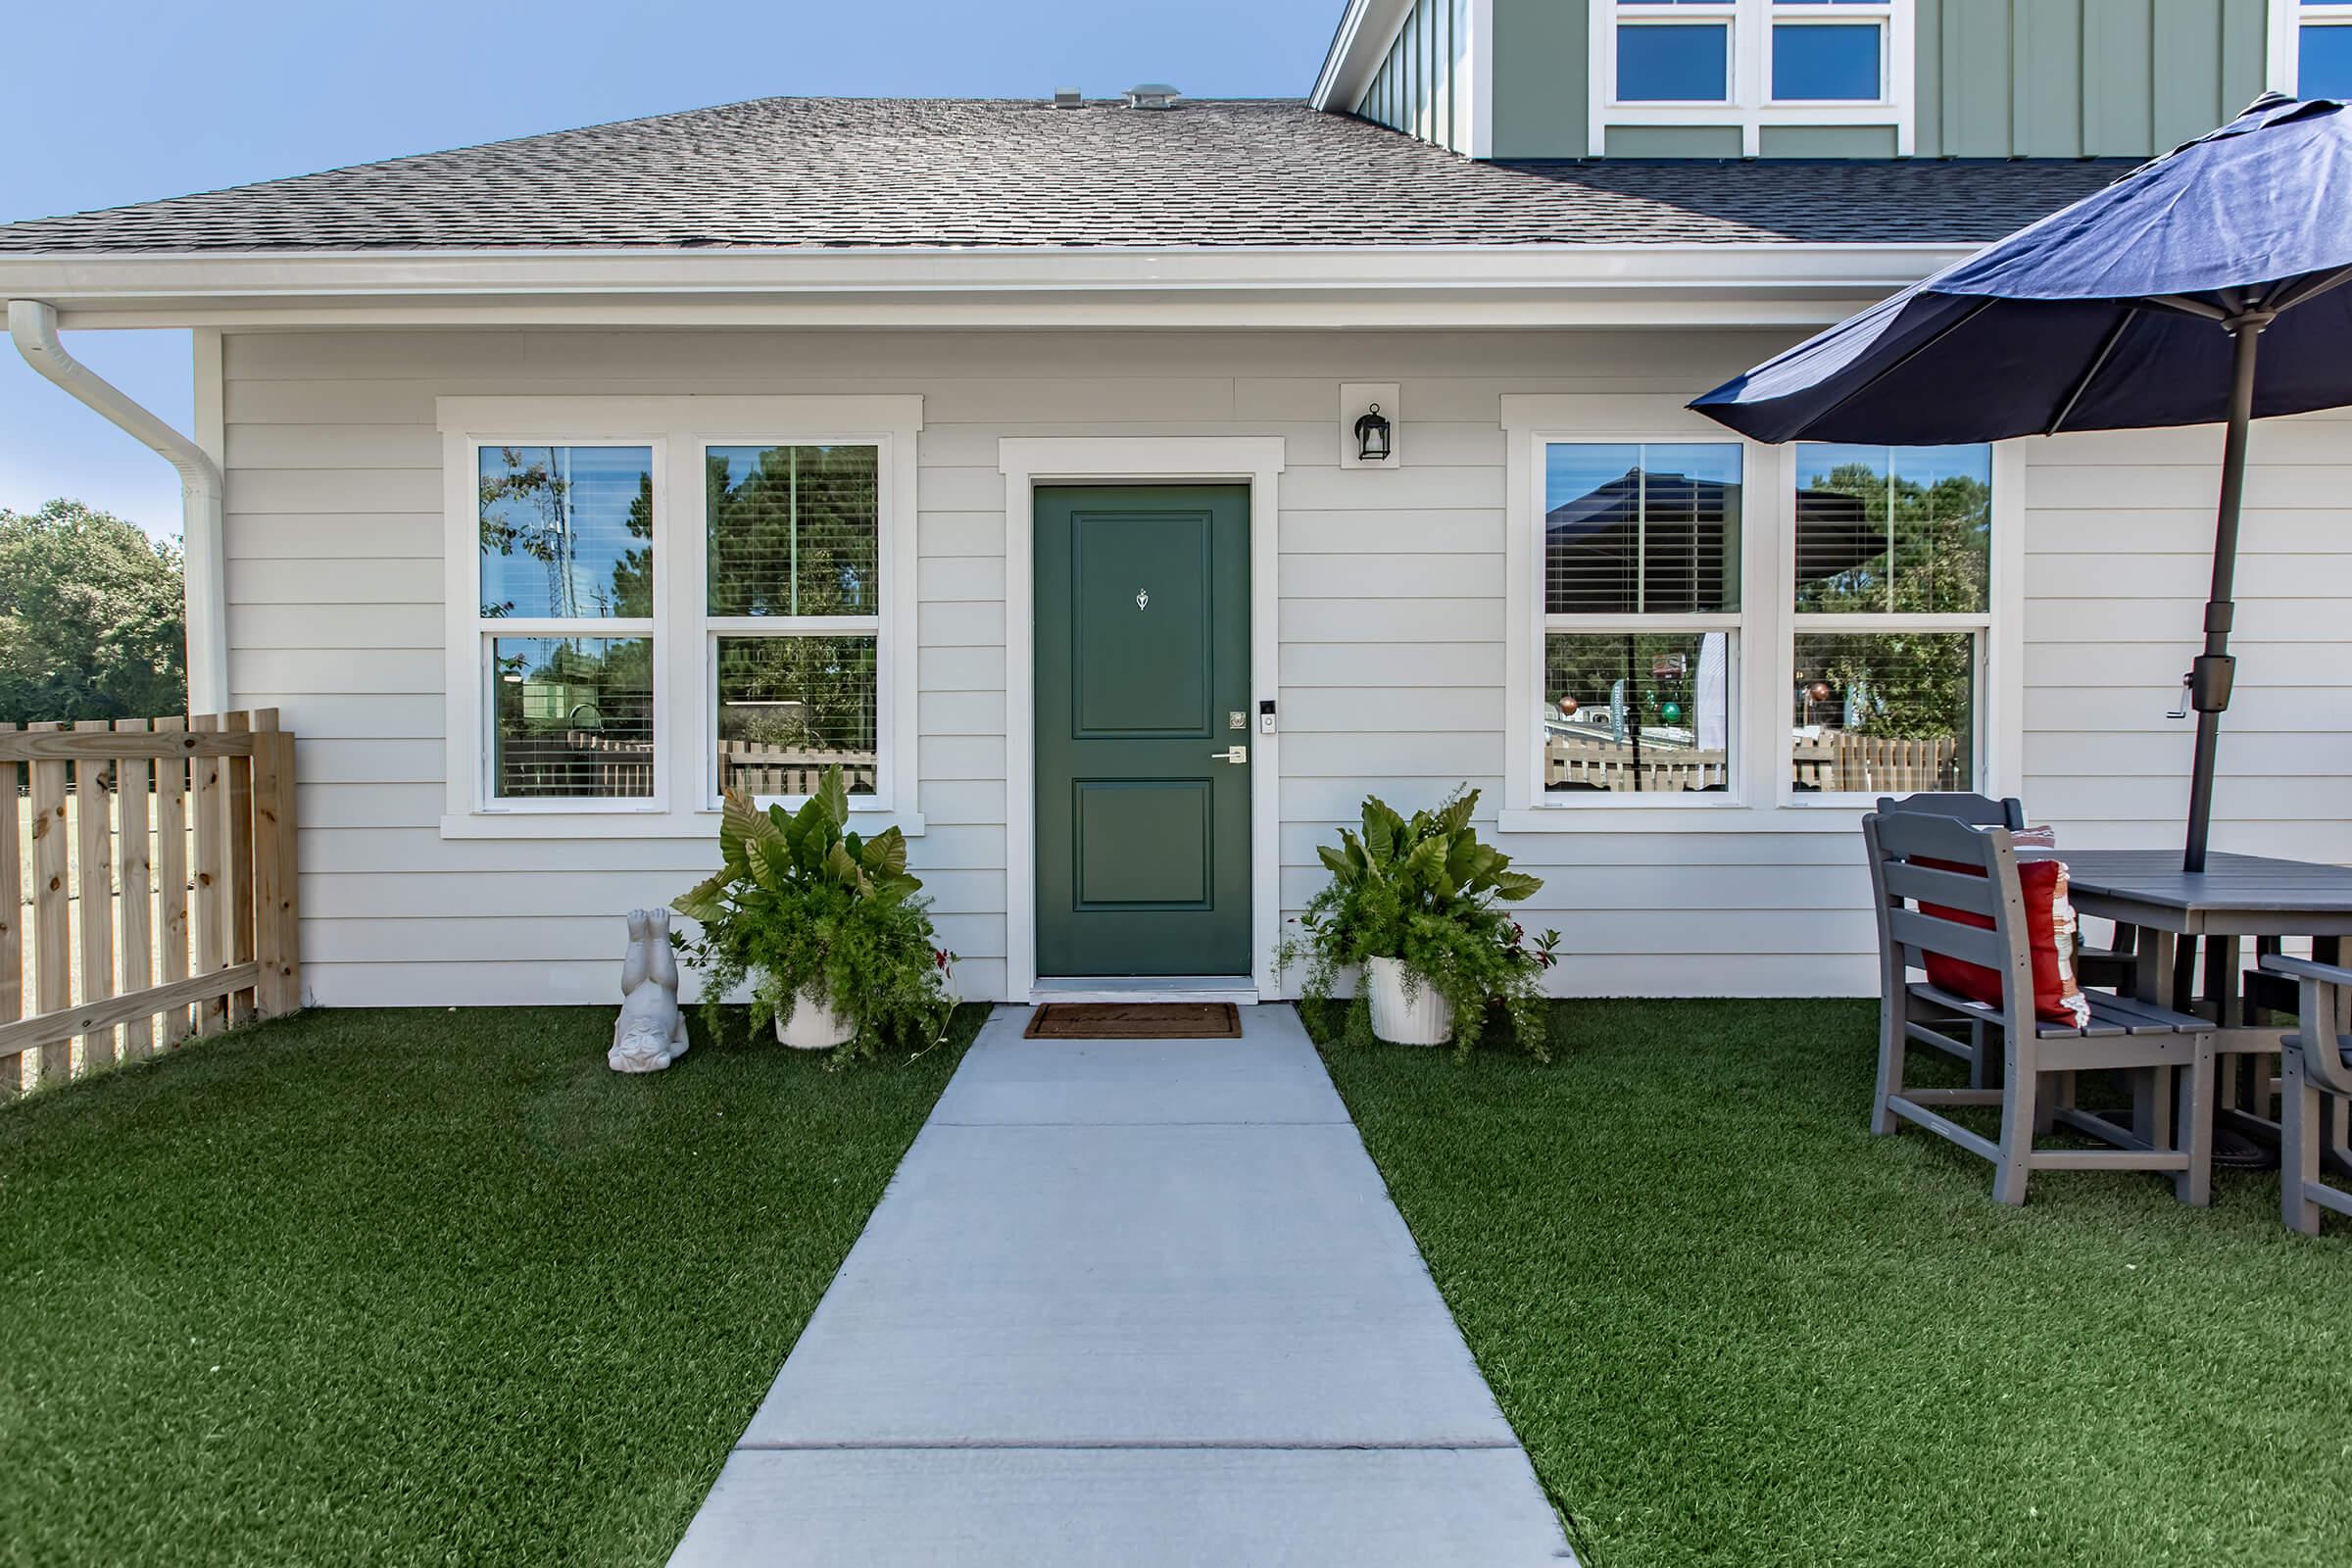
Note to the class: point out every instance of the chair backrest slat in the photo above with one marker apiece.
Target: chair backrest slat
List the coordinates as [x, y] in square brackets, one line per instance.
[1963, 805]
[1948, 939]
[1968, 891]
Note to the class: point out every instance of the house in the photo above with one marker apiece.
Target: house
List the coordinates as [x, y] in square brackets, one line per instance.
[1023, 457]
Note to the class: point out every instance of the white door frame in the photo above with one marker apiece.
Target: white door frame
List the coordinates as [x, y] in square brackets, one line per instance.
[1029, 462]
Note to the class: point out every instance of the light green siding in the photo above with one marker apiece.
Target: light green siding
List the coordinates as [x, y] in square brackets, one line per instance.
[1674, 141]
[1418, 87]
[1540, 79]
[1818, 141]
[2077, 78]
[1992, 78]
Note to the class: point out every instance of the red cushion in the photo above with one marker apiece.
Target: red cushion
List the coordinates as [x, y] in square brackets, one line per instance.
[2049, 921]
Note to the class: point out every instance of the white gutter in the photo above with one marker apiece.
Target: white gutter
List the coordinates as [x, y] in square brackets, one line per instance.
[33, 327]
[87, 287]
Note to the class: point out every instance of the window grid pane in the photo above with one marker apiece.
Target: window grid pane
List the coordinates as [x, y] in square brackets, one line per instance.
[1893, 530]
[794, 530]
[572, 718]
[789, 707]
[1634, 712]
[1884, 712]
[566, 532]
[2323, 67]
[1641, 529]
[1687, 63]
[1813, 62]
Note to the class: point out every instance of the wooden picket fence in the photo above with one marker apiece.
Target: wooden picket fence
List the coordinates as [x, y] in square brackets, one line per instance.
[1860, 764]
[1609, 766]
[157, 866]
[1877, 765]
[770, 770]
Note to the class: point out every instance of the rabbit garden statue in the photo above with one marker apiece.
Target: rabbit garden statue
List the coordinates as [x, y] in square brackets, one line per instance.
[651, 1032]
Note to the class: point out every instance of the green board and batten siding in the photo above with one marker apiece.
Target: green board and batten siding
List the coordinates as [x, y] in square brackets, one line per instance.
[2081, 79]
[1994, 78]
[1418, 88]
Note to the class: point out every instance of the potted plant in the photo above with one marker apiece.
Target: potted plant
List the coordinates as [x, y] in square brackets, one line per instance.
[1413, 901]
[824, 924]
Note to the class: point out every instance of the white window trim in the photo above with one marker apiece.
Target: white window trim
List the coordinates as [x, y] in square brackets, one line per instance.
[2000, 649]
[1751, 106]
[1529, 422]
[1762, 798]
[2284, 39]
[684, 715]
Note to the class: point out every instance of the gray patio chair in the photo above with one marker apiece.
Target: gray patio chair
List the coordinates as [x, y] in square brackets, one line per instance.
[2123, 1035]
[2109, 967]
[2316, 1074]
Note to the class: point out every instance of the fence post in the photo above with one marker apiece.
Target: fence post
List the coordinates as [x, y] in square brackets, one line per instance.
[276, 927]
[52, 928]
[133, 861]
[240, 858]
[93, 842]
[205, 778]
[171, 877]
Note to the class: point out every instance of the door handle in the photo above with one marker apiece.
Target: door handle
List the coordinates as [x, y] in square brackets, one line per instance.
[1235, 755]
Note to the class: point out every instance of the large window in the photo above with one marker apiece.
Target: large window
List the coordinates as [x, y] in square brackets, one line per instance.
[1890, 608]
[566, 619]
[2321, 46]
[795, 613]
[1641, 615]
[773, 641]
[1756, 66]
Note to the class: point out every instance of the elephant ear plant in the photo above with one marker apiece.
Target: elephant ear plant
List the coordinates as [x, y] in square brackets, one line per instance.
[803, 906]
[1425, 891]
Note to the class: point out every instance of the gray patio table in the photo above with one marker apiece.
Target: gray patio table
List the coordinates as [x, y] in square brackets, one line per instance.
[2235, 898]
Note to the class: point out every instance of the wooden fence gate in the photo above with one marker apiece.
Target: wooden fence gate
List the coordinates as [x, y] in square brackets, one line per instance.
[156, 860]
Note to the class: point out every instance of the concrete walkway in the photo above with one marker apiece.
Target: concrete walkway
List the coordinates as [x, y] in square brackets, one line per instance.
[1132, 1304]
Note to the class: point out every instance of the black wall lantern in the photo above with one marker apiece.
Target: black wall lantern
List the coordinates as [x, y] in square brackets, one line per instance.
[1372, 438]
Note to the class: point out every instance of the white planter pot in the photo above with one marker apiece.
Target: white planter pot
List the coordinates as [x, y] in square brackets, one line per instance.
[1422, 1019]
[814, 1026]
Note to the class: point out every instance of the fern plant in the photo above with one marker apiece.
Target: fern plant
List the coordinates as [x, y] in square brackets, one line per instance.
[1423, 890]
[800, 905]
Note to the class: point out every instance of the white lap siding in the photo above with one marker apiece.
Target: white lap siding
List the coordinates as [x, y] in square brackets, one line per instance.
[1391, 623]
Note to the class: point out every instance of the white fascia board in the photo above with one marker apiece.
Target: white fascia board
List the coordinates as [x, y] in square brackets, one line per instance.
[1435, 285]
[1366, 30]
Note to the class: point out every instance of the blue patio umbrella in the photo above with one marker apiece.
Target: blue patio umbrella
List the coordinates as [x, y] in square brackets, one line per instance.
[2145, 305]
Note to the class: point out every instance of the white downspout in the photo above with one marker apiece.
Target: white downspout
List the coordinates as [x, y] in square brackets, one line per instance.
[33, 327]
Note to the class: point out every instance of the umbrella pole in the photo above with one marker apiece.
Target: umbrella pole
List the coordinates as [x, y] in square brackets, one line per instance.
[2211, 674]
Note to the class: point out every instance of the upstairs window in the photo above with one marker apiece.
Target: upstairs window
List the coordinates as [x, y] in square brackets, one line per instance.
[1824, 51]
[1751, 65]
[2322, 48]
[1675, 51]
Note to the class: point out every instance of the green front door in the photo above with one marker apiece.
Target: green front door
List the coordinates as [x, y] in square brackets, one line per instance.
[1142, 685]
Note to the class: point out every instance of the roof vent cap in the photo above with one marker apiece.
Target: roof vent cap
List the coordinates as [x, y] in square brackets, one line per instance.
[1068, 98]
[1153, 95]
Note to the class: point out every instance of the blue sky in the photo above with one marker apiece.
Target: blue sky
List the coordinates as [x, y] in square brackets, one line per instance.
[186, 97]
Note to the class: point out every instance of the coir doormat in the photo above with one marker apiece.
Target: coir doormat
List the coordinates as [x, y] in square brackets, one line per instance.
[1136, 1021]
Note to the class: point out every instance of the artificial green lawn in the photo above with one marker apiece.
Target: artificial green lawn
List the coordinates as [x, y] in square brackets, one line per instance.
[415, 1286]
[1732, 1327]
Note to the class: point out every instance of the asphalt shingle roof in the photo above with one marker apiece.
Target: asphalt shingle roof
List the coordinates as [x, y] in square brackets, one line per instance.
[810, 172]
